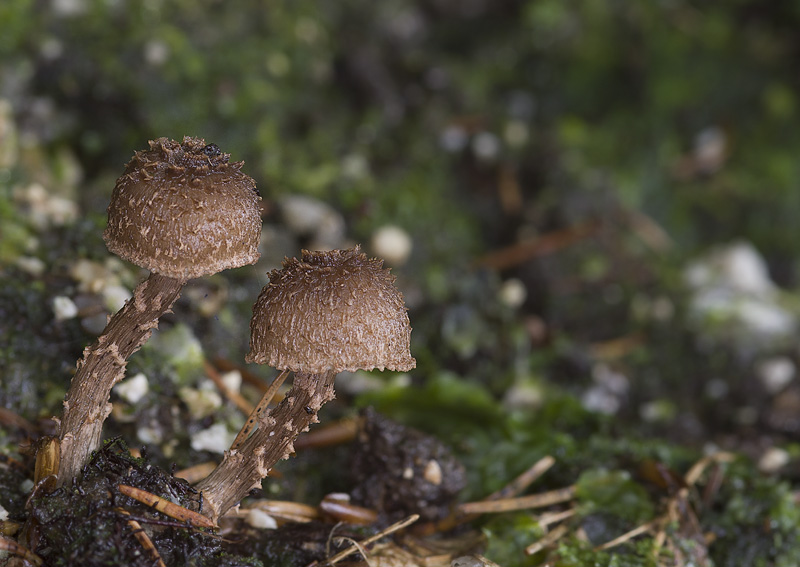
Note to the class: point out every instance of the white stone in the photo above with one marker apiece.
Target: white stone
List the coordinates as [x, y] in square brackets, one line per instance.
[133, 389]
[486, 146]
[150, 435]
[516, 133]
[773, 460]
[201, 403]
[3, 513]
[513, 293]
[393, 244]
[216, 439]
[453, 138]
[355, 167]
[775, 373]
[309, 217]
[259, 519]
[31, 265]
[232, 380]
[115, 296]
[64, 308]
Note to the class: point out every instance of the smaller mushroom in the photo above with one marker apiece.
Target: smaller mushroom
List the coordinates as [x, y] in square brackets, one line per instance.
[180, 210]
[326, 313]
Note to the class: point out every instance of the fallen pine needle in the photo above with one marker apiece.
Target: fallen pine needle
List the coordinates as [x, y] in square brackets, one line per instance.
[550, 518]
[523, 481]
[512, 489]
[357, 546]
[143, 539]
[252, 418]
[14, 548]
[697, 469]
[166, 507]
[520, 503]
[548, 540]
[241, 402]
[626, 536]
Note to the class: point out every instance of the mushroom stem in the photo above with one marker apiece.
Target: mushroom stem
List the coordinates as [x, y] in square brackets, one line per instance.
[86, 404]
[242, 470]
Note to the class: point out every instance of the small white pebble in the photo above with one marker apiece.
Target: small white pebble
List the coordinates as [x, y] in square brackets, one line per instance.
[775, 373]
[486, 146]
[260, 519]
[232, 380]
[516, 133]
[115, 296]
[773, 460]
[393, 244]
[453, 138]
[433, 472]
[3, 513]
[513, 293]
[216, 439]
[150, 435]
[408, 473]
[133, 389]
[64, 308]
[31, 265]
[201, 403]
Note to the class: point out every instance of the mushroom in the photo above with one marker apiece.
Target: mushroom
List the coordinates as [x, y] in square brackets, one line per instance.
[323, 314]
[180, 210]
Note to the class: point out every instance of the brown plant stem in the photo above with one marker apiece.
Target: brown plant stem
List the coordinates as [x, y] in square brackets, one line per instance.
[242, 469]
[86, 404]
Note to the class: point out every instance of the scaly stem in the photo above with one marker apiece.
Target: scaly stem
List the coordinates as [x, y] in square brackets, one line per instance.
[86, 404]
[242, 470]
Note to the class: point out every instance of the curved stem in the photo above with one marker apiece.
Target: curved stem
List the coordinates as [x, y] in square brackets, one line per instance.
[86, 404]
[242, 470]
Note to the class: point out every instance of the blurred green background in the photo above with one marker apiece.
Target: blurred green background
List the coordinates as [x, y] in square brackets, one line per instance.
[601, 198]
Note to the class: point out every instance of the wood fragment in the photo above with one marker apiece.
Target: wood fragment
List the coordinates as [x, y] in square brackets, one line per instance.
[166, 507]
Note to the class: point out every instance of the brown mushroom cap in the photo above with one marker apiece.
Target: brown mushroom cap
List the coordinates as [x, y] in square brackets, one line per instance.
[183, 211]
[331, 311]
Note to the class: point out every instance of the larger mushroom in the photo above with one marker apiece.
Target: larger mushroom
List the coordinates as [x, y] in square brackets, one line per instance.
[326, 313]
[180, 210]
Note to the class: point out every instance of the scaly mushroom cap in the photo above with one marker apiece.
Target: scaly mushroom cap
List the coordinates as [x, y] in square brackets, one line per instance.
[331, 311]
[181, 210]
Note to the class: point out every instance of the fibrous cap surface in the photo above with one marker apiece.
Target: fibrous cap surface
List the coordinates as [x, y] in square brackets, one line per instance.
[331, 311]
[184, 211]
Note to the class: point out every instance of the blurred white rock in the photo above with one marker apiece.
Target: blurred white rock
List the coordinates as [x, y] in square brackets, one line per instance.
[216, 439]
[133, 389]
[64, 308]
[776, 373]
[321, 223]
[734, 299]
[393, 244]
